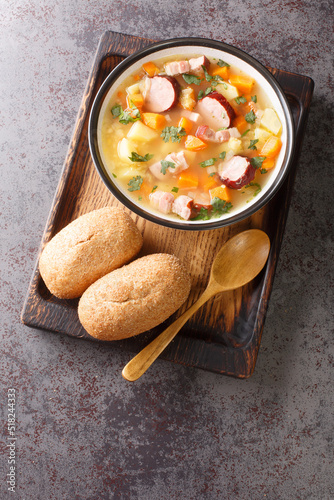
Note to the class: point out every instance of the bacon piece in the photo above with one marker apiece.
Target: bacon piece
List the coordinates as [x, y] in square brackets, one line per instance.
[196, 64]
[162, 201]
[236, 172]
[206, 134]
[182, 206]
[160, 93]
[215, 110]
[177, 68]
[179, 161]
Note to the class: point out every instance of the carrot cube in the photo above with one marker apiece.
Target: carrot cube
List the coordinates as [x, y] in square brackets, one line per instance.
[268, 163]
[150, 68]
[194, 143]
[222, 72]
[271, 147]
[243, 83]
[221, 192]
[186, 124]
[241, 124]
[154, 120]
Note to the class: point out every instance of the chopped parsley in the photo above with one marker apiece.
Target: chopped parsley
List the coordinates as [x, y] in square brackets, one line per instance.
[136, 157]
[257, 161]
[135, 183]
[116, 110]
[165, 164]
[255, 185]
[212, 174]
[240, 100]
[191, 79]
[250, 117]
[154, 188]
[140, 198]
[207, 76]
[222, 155]
[252, 144]
[246, 132]
[200, 94]
[254, 98]
[222, 63]
[208, 163]
[263, 170]
[219, 207]
[203, 214]
[124, 116]
[114, 175]
[173, 133]
[175, 189]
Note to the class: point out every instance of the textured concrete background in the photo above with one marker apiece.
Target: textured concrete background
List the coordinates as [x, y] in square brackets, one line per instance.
[178, 433]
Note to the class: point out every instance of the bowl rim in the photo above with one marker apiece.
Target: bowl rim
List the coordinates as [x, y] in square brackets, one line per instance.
[196, 42]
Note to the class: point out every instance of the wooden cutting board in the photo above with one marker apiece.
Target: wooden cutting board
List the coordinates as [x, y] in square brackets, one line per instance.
[224, 335]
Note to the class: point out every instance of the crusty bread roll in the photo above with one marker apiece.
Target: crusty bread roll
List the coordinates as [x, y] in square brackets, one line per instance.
[135, 298]
[87, 249]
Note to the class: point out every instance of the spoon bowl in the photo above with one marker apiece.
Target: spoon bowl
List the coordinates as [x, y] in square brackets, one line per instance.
[238, 262]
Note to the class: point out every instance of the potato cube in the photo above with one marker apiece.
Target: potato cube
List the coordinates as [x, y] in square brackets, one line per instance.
[261, 135]
[228, 91]
[270, 121]
[124, 150]
[142, 133]
[235, 145]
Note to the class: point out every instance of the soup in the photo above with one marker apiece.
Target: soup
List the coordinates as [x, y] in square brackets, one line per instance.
[192, 138]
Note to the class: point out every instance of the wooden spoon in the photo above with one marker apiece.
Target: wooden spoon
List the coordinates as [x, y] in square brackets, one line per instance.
[237, 263]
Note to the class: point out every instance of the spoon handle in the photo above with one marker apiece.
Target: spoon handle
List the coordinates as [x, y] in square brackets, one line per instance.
[143, 360]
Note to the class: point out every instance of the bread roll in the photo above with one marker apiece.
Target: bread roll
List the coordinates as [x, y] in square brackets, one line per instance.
[135, 298]
[87, 249]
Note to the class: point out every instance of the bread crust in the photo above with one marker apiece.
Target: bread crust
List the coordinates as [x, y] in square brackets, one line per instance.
[134, 298]
[88, 248]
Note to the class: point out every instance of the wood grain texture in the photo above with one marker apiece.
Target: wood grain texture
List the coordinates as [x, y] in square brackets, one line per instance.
[224, 335]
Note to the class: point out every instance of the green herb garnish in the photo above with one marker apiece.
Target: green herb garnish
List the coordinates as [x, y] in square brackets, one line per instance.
[263, 170]
[175, 189]
[203, 214]
[257, 161]
[208, 163]
[116, 110]
[154, 188]
[135, 183]
[173, 133]
[114, 175]
[136, 157]
[222, 155]
[125, 117]
[220, 207]
[250, 117]
[165, 164]
[252, 144]
[240, 100]
[222, 63]
[200, 94]
[246, 132]
[212, 174]
[254, 98]
[191, 79]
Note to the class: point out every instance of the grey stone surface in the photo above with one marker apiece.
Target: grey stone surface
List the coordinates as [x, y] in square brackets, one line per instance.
[82, 431]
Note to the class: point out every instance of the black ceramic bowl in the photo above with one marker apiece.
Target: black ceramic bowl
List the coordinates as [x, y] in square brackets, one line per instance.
[212, 49]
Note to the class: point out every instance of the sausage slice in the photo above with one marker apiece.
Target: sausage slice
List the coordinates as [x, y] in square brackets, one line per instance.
[160, 93]
[237, 172]
[216, 110]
